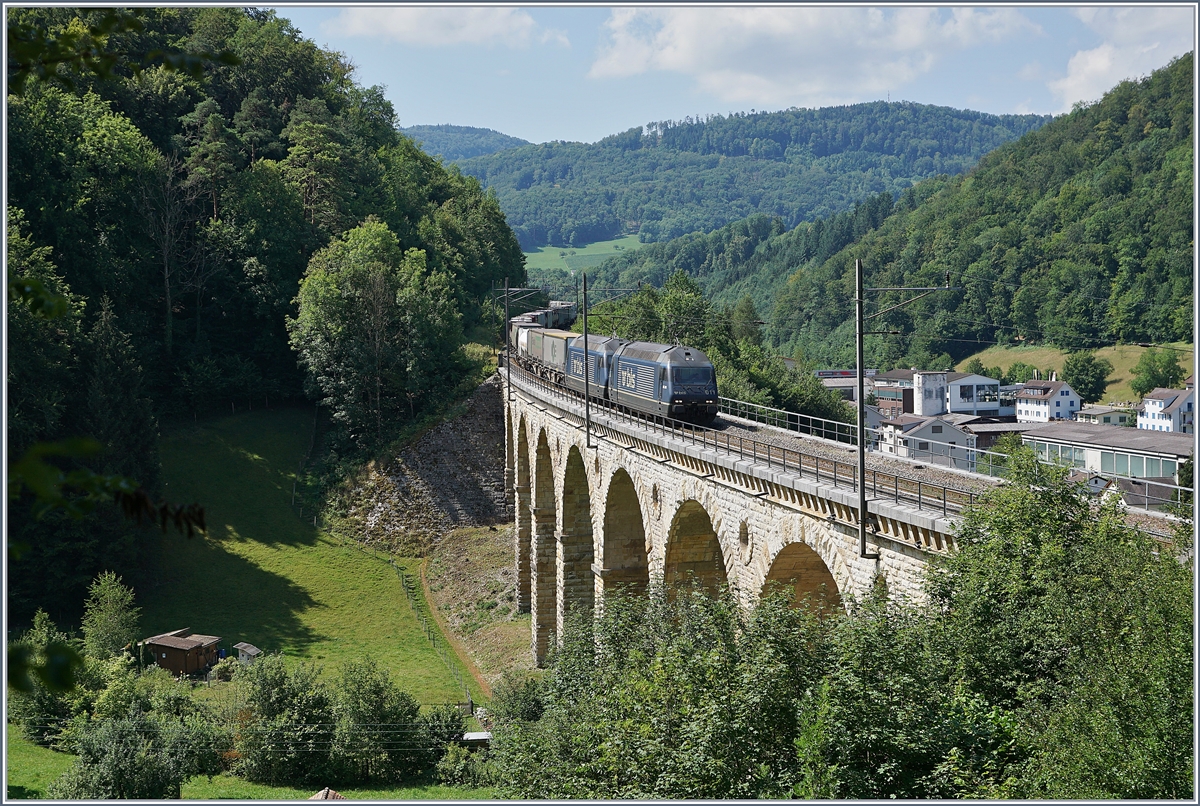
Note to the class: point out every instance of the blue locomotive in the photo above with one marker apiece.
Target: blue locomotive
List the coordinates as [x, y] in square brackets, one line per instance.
[658, 379]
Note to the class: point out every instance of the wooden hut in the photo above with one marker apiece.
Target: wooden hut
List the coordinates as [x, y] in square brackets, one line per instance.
[182, 652]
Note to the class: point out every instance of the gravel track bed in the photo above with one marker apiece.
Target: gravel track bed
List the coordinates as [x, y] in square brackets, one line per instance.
[1150, 522]
[825, 449]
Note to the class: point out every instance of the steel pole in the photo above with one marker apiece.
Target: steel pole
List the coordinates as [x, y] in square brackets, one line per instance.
[587, 389]
[862, 416]
[507, 345]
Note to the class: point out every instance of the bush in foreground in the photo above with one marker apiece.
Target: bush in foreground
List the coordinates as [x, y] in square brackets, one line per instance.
[1051, 659]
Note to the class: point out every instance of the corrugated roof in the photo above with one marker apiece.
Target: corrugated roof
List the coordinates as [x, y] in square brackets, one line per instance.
[1000, 428]
[1114, 436]
[172, 641]
[327, 794]
[185, 641]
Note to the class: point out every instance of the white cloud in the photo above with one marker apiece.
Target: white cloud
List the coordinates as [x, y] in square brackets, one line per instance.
[796, 56]
[437, 26]
[1137, 40]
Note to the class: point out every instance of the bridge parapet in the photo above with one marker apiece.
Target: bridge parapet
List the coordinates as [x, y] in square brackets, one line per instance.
[667, 503]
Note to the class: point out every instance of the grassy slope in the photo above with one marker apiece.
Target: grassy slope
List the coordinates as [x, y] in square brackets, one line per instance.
[265, 576]
[472, 584]
[30, 768]
[1122, 357]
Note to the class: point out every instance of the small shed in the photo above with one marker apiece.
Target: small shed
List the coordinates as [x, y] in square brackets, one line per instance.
[477, 738]
[247, 653]
[182, 652]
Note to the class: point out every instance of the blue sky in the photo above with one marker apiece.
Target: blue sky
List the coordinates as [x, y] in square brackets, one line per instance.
[584, 72]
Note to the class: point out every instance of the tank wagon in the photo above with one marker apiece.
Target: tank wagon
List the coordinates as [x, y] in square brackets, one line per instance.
[655, 379]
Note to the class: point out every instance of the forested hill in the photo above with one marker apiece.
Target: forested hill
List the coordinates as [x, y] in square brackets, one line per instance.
[461, 142]
[676, 177]
[226, 240]
[1077, 235]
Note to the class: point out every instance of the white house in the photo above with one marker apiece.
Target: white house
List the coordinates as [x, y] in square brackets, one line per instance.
[967, 393]
[927, 439]
[906, 391]
[1167, 410]
[1047, 401]
[1104, 415]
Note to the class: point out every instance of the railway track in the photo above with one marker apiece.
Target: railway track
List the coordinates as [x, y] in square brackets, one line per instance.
[818, 463]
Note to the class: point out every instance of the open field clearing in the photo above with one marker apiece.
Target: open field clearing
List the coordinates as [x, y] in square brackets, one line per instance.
[570, 258]
[1123, 358]
[228, 787]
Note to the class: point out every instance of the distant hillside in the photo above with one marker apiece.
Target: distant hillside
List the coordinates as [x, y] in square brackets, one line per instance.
[460, 142]
[676, 177]
[1077, 235]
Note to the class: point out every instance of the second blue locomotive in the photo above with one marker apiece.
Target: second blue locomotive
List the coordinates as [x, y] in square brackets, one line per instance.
[657, 379]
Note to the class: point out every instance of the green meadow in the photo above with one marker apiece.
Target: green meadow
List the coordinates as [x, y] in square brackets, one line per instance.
[29, 769]
[228, 787]
[32, 768]
[265, 575]
[571, 259]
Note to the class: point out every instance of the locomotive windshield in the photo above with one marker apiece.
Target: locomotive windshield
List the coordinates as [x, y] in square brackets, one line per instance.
[693, 375]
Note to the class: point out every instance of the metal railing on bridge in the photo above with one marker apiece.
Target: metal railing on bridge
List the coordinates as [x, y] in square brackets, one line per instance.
[823, 470]
[1155, 495]
[791, 421]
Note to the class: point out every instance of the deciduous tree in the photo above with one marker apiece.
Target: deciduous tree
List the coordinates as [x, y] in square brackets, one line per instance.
[1156, 369]
[1087, 375]
[110, 618]
[375, 330]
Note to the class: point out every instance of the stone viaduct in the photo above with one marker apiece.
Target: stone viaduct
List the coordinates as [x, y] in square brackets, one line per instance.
[643, 505]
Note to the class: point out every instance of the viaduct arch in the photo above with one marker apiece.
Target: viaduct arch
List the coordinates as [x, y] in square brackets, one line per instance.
[634, 510]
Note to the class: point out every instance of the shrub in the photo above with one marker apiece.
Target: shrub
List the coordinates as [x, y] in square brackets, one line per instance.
[380, 734]
[461, 766]
[43, 711]
[444, 725]
[138, 757]
[285, 734]
[226, 668]
[517, 697]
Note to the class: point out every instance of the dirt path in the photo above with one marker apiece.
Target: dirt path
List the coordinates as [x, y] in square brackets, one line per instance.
[471, 580]
[452, 639]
